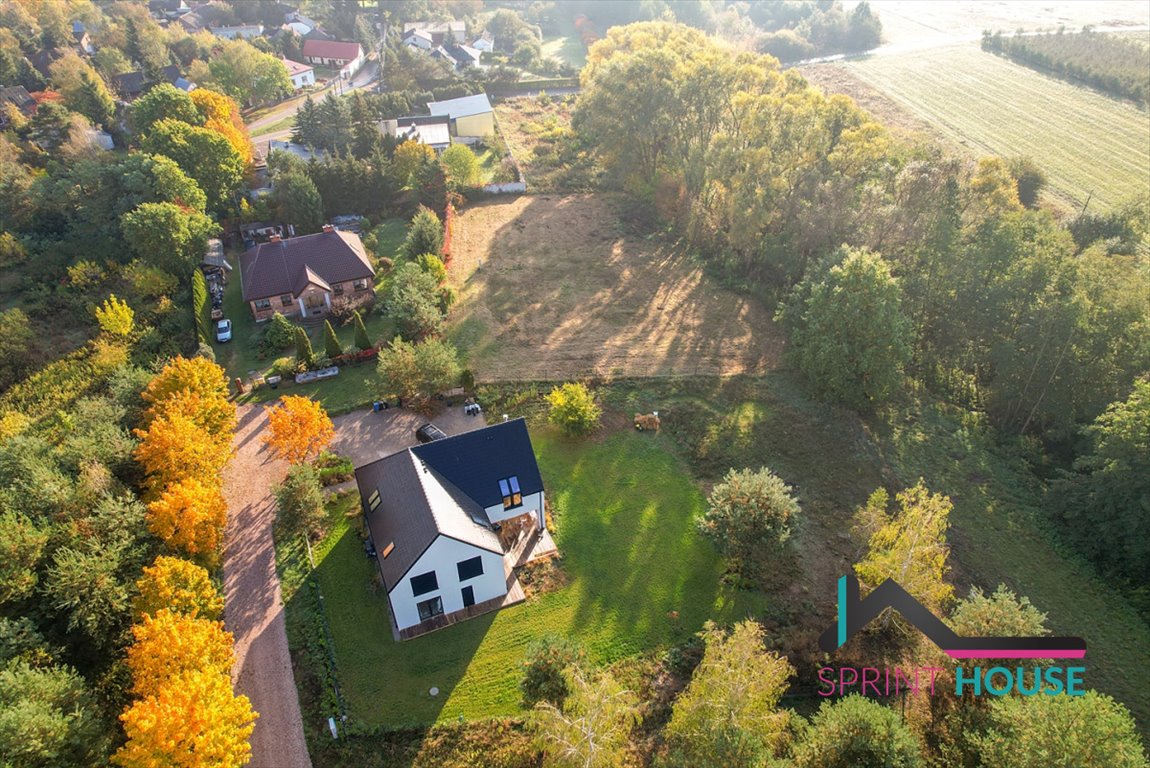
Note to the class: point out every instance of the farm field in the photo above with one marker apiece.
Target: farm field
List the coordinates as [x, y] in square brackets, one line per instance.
[550, 287]
[639, 579]
[1090, 145]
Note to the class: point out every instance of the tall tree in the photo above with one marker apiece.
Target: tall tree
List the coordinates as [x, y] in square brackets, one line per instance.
[424, 234]
[411, 371]
[856, 731]
[171, 644]
[749, 516]
[298, 429]
[909, 545]
[727, 716]
[1105, 503]
[189, 517]
[174, 447]
[168, 236]
[1093, 729]
[203, 155]
[246, 73]
[331, 345]
[180, 586]
[222, 115]
[298, 202]
[303, 352]
[848, 333]
[461, 166]
[194, 721]
[163, 102]
[362, 340]
[593, 726]
[411, 301]
[48, 718]
[201, 307]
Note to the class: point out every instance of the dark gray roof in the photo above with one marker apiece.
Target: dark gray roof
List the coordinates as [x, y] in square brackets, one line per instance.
[417, 505]
[16, 94]
[272, 269]
[476, 461]
[129, 83]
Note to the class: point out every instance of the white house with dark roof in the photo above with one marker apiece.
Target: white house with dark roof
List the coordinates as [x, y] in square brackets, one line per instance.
[306, 276]
[450, 519]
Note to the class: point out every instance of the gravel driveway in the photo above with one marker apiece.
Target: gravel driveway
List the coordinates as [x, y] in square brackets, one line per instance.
[254, 607]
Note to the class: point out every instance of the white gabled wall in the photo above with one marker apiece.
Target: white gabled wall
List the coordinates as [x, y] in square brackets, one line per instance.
[532, 502]
[441, 557]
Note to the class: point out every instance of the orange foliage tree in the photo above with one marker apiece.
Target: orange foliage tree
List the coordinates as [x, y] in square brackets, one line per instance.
[192, 721]
[189, 516]
[174, 446]
[197, 375]
[298, 429]
[169, 644]
[179, 586]
[222, 115]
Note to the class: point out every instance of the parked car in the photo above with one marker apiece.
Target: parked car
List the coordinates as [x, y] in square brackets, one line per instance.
[429, 432]
[224, 330]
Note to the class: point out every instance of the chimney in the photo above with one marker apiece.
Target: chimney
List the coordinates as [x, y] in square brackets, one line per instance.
[274, 239]
[328, 228]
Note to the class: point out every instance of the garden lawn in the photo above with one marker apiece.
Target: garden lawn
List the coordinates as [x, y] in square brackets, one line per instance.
[640, 579]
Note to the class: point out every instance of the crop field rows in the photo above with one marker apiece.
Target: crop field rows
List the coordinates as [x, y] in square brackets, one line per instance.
[1089, 144]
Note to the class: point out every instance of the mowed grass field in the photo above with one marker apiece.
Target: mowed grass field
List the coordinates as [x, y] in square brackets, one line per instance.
[1088, 144]
[553, 287]
[624, 512]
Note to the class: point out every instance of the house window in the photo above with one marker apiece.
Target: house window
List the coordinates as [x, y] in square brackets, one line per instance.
[429, 609]
[337, 289]
[286, 300]
[263, 303]
[424, 583]
[509, 490]
[468, 597]
[373, 500]
[469, 569]
[360, 285]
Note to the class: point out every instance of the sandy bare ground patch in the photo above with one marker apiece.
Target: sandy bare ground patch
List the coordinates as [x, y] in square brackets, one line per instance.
[551, 289]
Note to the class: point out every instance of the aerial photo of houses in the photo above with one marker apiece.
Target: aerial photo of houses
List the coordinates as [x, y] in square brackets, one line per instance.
[574, 384]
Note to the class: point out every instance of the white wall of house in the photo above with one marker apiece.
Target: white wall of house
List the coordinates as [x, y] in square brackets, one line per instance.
[442, 557]
[532, 502]
[304, 78]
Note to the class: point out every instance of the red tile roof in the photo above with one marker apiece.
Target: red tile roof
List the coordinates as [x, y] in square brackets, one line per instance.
[331, 49]
[295, 68]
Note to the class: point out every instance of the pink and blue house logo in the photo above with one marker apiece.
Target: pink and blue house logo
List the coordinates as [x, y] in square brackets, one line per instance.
[855, 613]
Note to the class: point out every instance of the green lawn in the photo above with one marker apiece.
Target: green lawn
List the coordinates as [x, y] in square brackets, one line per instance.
[624, 518]
[282, 124]
[567, 48]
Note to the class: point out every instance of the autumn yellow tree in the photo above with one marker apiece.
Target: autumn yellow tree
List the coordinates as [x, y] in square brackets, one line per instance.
[169, 644]
[213, 414]
[180, 586]
[193, 721]
[197, 375]
[409, 157]
[189, 516]
[174, 447]
[115, 317]
[298, 429]
[222, 115]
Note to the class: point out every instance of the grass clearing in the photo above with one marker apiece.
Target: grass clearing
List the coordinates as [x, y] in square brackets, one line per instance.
[538, 133]
[551, 288]
[632, 556]
[566, 47]
[1090, 145]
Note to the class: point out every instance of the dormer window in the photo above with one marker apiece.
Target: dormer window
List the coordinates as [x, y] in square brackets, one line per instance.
[509, 490]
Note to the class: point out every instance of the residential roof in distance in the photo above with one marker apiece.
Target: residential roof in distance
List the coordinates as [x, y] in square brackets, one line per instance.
[295, 68]
[332, 49]
[462, 107]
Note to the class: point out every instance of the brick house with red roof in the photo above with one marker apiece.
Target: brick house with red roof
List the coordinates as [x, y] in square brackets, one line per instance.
[307, 276]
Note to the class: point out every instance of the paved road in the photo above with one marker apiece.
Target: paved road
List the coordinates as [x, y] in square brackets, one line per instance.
[362, 79]
[254, 606]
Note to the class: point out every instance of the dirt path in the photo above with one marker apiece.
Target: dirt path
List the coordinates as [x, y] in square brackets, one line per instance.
[254, 612]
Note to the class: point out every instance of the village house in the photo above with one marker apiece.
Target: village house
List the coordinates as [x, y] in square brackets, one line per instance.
[306, 276]
[437, 32]
[470, 115]
[450, 520]
[238, 31]
[344, 56]
[432, 130]
[302, 75]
